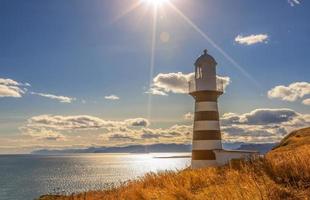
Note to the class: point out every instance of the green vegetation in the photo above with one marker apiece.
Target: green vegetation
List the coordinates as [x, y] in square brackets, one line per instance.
[284, 173]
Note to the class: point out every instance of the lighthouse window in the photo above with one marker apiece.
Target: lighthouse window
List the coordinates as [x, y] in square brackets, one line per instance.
[198, 72]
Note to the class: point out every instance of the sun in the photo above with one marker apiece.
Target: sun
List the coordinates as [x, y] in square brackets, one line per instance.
[156, 2]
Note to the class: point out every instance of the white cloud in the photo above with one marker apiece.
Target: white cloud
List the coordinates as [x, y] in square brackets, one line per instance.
[59, 123]
[260, 116]
[306, 102]
[11, 88]
[137, 122]
[262, 125]
[120, 137]
[290, 93]
[10, 91]
[156, 91]
[189, 116]
[45, 134]
[62, 99]
[251, 39]
[130, 131]
[176, 83]
[112, 97]
[172, 82]
[8, 82]
[293, 2]
[173, 134]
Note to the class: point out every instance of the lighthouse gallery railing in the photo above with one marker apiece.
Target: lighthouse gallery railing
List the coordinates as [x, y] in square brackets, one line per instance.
[219, 85]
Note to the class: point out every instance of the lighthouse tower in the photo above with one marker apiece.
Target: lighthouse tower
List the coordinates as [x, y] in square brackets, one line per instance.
[207, 142]
[205, 89]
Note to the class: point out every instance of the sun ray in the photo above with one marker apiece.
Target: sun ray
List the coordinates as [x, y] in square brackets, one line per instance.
[152, 60]
[206, 37]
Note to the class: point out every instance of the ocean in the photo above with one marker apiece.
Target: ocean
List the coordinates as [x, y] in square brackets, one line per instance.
[26, 177]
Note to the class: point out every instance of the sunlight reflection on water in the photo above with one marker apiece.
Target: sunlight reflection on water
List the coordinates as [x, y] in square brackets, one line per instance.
[29, 176]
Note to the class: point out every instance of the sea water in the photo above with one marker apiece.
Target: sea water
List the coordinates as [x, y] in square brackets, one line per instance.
[24, 177]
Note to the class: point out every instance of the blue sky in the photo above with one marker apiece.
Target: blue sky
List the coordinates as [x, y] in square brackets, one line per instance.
[84, 51]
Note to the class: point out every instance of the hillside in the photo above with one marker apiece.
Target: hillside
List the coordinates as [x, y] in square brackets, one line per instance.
[296, 139]
[283, 174]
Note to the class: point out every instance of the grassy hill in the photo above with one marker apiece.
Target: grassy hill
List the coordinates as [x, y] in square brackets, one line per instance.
[296, 139]
[284, 173]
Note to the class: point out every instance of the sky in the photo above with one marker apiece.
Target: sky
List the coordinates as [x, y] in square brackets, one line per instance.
[75, 74]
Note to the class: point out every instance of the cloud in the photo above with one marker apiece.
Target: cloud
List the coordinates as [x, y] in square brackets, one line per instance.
[291, 93]
[73, 128]
[8, 82]
[176, 83]
[59, 122]
[137, 122]
[156, 91]
[259, 125]
[253, 134]
[11, 88]
[62, 99]
[44, 134]
[260, 116]
[306, 102]
[95, 131]
[175, 133]
[172, 82]
[262, 125]
[188, 116]
[121, 137]
[251, 39]
[112, 97]
[293, 2]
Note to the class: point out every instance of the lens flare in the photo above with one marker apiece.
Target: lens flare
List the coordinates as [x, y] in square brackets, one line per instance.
[156, 2]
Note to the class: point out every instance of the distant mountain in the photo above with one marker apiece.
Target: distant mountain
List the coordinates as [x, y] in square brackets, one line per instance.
[261, 148]
[155, 148]
[232, 145]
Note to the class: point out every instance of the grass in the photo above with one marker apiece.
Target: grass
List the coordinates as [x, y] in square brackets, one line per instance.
[284, 173]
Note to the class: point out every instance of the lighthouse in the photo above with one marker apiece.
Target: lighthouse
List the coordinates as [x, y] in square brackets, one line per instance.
[205, 88]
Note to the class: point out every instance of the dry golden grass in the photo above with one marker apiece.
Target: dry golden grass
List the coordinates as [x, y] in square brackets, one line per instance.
[282, 174]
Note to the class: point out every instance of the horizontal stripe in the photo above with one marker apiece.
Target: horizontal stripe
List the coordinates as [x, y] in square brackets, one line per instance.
[203, 163]
[201, 96]
[206, 115]
[206, 125]
[203, 155]
[206, 106]
[207, 135]
[206, 144]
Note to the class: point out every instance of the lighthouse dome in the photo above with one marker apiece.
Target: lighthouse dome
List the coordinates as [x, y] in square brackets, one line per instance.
[205, 59]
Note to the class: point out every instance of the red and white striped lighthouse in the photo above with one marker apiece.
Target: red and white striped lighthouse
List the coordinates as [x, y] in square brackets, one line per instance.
[206, 133]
